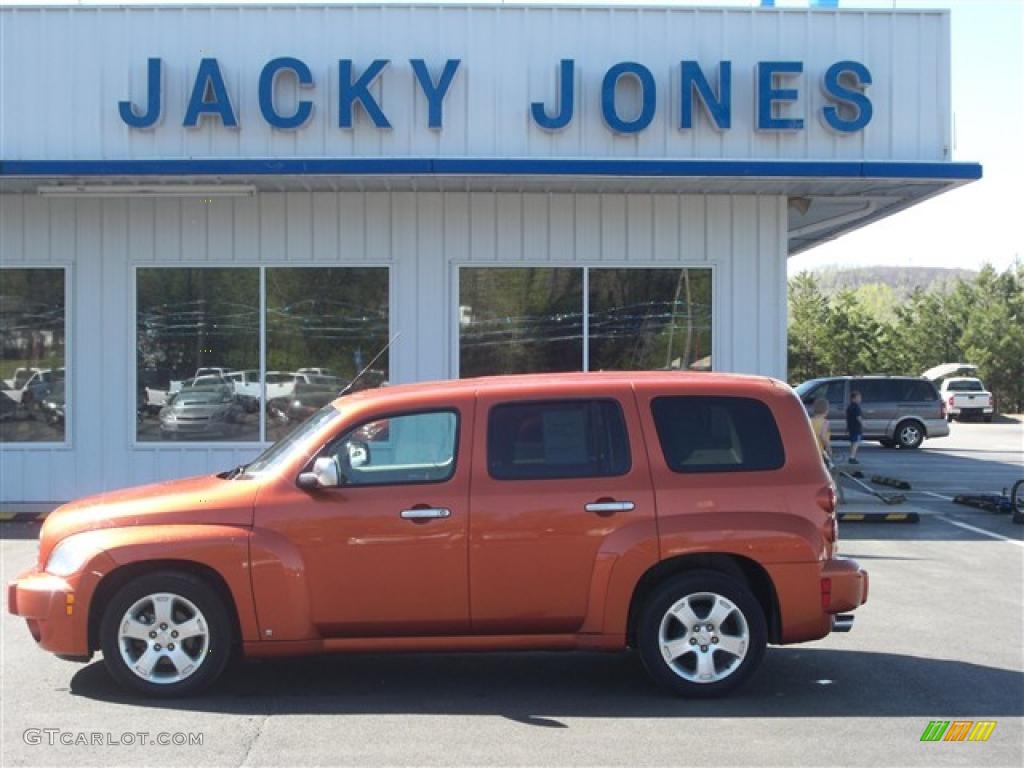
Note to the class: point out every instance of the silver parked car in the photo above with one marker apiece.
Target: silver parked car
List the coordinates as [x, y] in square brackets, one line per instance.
[896, 410]
[199, 412]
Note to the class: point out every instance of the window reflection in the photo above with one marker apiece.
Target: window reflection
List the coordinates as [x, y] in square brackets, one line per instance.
[324, 325]
[645, 319]
[197, 329]
[520, 320]
[32, 355]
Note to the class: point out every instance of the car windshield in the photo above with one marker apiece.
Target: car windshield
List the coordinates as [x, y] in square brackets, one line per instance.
[807, 386]
[283, 447]
[965, 385]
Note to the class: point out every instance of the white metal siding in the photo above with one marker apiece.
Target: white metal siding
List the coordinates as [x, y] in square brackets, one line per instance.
[64, 70]
[421, 236]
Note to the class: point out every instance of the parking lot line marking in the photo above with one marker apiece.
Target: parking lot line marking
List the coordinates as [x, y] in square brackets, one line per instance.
[981, 531]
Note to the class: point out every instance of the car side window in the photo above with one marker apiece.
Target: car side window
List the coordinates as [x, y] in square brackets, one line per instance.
[398, 450]
[717, 434]
[836, 393]
[877, 390]
[919, 391]
[557, 439]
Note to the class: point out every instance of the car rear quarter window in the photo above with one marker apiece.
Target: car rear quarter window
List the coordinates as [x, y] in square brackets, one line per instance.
[717, 434]
[557, 439]
[919, 391]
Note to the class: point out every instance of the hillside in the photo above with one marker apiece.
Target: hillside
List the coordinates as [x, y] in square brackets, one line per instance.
[902, 280]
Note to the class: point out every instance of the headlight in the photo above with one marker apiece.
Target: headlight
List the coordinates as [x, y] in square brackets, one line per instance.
[72, 553]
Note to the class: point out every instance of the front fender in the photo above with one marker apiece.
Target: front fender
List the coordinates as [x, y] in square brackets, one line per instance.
[221, 548]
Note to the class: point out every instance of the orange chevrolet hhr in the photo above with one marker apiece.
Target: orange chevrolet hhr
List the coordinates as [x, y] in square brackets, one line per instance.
[688, 516]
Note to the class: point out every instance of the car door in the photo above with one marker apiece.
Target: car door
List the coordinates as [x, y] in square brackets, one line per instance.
[878, 404]
[558, 484]
[384, 554]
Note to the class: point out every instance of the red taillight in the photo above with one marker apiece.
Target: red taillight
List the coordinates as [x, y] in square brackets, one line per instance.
[827, 499]
[826, 594]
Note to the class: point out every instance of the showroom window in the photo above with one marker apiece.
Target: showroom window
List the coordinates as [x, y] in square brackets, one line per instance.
[541, 319]
[202, 333]
[33, 351]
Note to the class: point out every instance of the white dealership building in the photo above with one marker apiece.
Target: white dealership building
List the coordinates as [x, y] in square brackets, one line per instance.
[200, 202]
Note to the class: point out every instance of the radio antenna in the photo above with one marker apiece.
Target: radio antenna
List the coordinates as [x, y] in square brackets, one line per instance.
[369, 365]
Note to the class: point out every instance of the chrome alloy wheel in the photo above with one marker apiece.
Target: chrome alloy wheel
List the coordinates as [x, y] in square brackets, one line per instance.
[910, 435]
[704, 637]
[163, 638]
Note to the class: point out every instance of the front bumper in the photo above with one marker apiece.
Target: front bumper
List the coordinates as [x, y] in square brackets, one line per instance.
[57, 609]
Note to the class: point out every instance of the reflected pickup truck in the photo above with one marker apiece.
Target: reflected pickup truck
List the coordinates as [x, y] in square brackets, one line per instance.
[688, 516]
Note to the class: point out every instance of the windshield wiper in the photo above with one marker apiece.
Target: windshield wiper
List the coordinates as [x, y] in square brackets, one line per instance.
[233, 473]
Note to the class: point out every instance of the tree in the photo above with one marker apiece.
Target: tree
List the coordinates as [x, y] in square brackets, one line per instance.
[808, 310]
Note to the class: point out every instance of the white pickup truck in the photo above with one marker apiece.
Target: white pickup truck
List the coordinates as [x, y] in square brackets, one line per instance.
[963, 393]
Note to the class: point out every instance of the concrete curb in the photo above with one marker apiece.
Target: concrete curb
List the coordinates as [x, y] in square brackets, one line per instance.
[879, 517]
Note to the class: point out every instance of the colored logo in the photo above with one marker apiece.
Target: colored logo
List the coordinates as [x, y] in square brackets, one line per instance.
[958, 730]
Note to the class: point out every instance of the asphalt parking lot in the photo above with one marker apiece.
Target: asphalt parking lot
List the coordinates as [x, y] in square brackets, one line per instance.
[942, 638]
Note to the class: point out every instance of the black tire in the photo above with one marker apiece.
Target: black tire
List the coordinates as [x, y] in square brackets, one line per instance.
[988, 418]
[700, 586]
[211, 655]
[1017, 502]
[909, 434]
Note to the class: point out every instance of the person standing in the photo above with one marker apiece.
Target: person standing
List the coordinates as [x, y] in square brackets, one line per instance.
[819, 421]
[854, 425]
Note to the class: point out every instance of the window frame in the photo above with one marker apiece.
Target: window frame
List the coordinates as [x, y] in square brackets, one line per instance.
[262, 443]
[452, 409]
[456, 283]
[70, 409]
[558, 401]
[702, 469]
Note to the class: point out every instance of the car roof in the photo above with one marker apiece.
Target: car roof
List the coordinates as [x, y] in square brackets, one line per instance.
[555, 384]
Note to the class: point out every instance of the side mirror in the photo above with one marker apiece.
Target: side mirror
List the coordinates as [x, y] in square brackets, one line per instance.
[323, 475]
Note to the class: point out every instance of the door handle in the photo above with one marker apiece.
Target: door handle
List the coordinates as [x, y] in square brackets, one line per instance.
[425, 513]
[610, 506]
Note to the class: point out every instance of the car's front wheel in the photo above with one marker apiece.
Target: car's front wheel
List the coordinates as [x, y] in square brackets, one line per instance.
[701, 634]
[166, 634]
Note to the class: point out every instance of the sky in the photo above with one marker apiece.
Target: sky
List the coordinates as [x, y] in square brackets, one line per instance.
[979, 223]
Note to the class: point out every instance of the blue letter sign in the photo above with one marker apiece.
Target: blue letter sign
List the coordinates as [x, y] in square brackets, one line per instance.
[268, 78]
[718, 109]
[209, 80]
[566, 100]
[153, 104]
[435, 93]
[350, 93]
[649, 98]
[854, 96]
[768, 95]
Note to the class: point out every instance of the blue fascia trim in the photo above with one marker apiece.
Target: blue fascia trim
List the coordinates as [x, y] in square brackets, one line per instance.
[412, 166]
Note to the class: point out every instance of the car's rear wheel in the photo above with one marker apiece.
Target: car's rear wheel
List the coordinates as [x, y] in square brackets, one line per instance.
[701, 634]
[166, 634]
[909, 434]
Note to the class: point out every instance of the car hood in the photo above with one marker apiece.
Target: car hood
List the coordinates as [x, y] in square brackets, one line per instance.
[203, 500]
